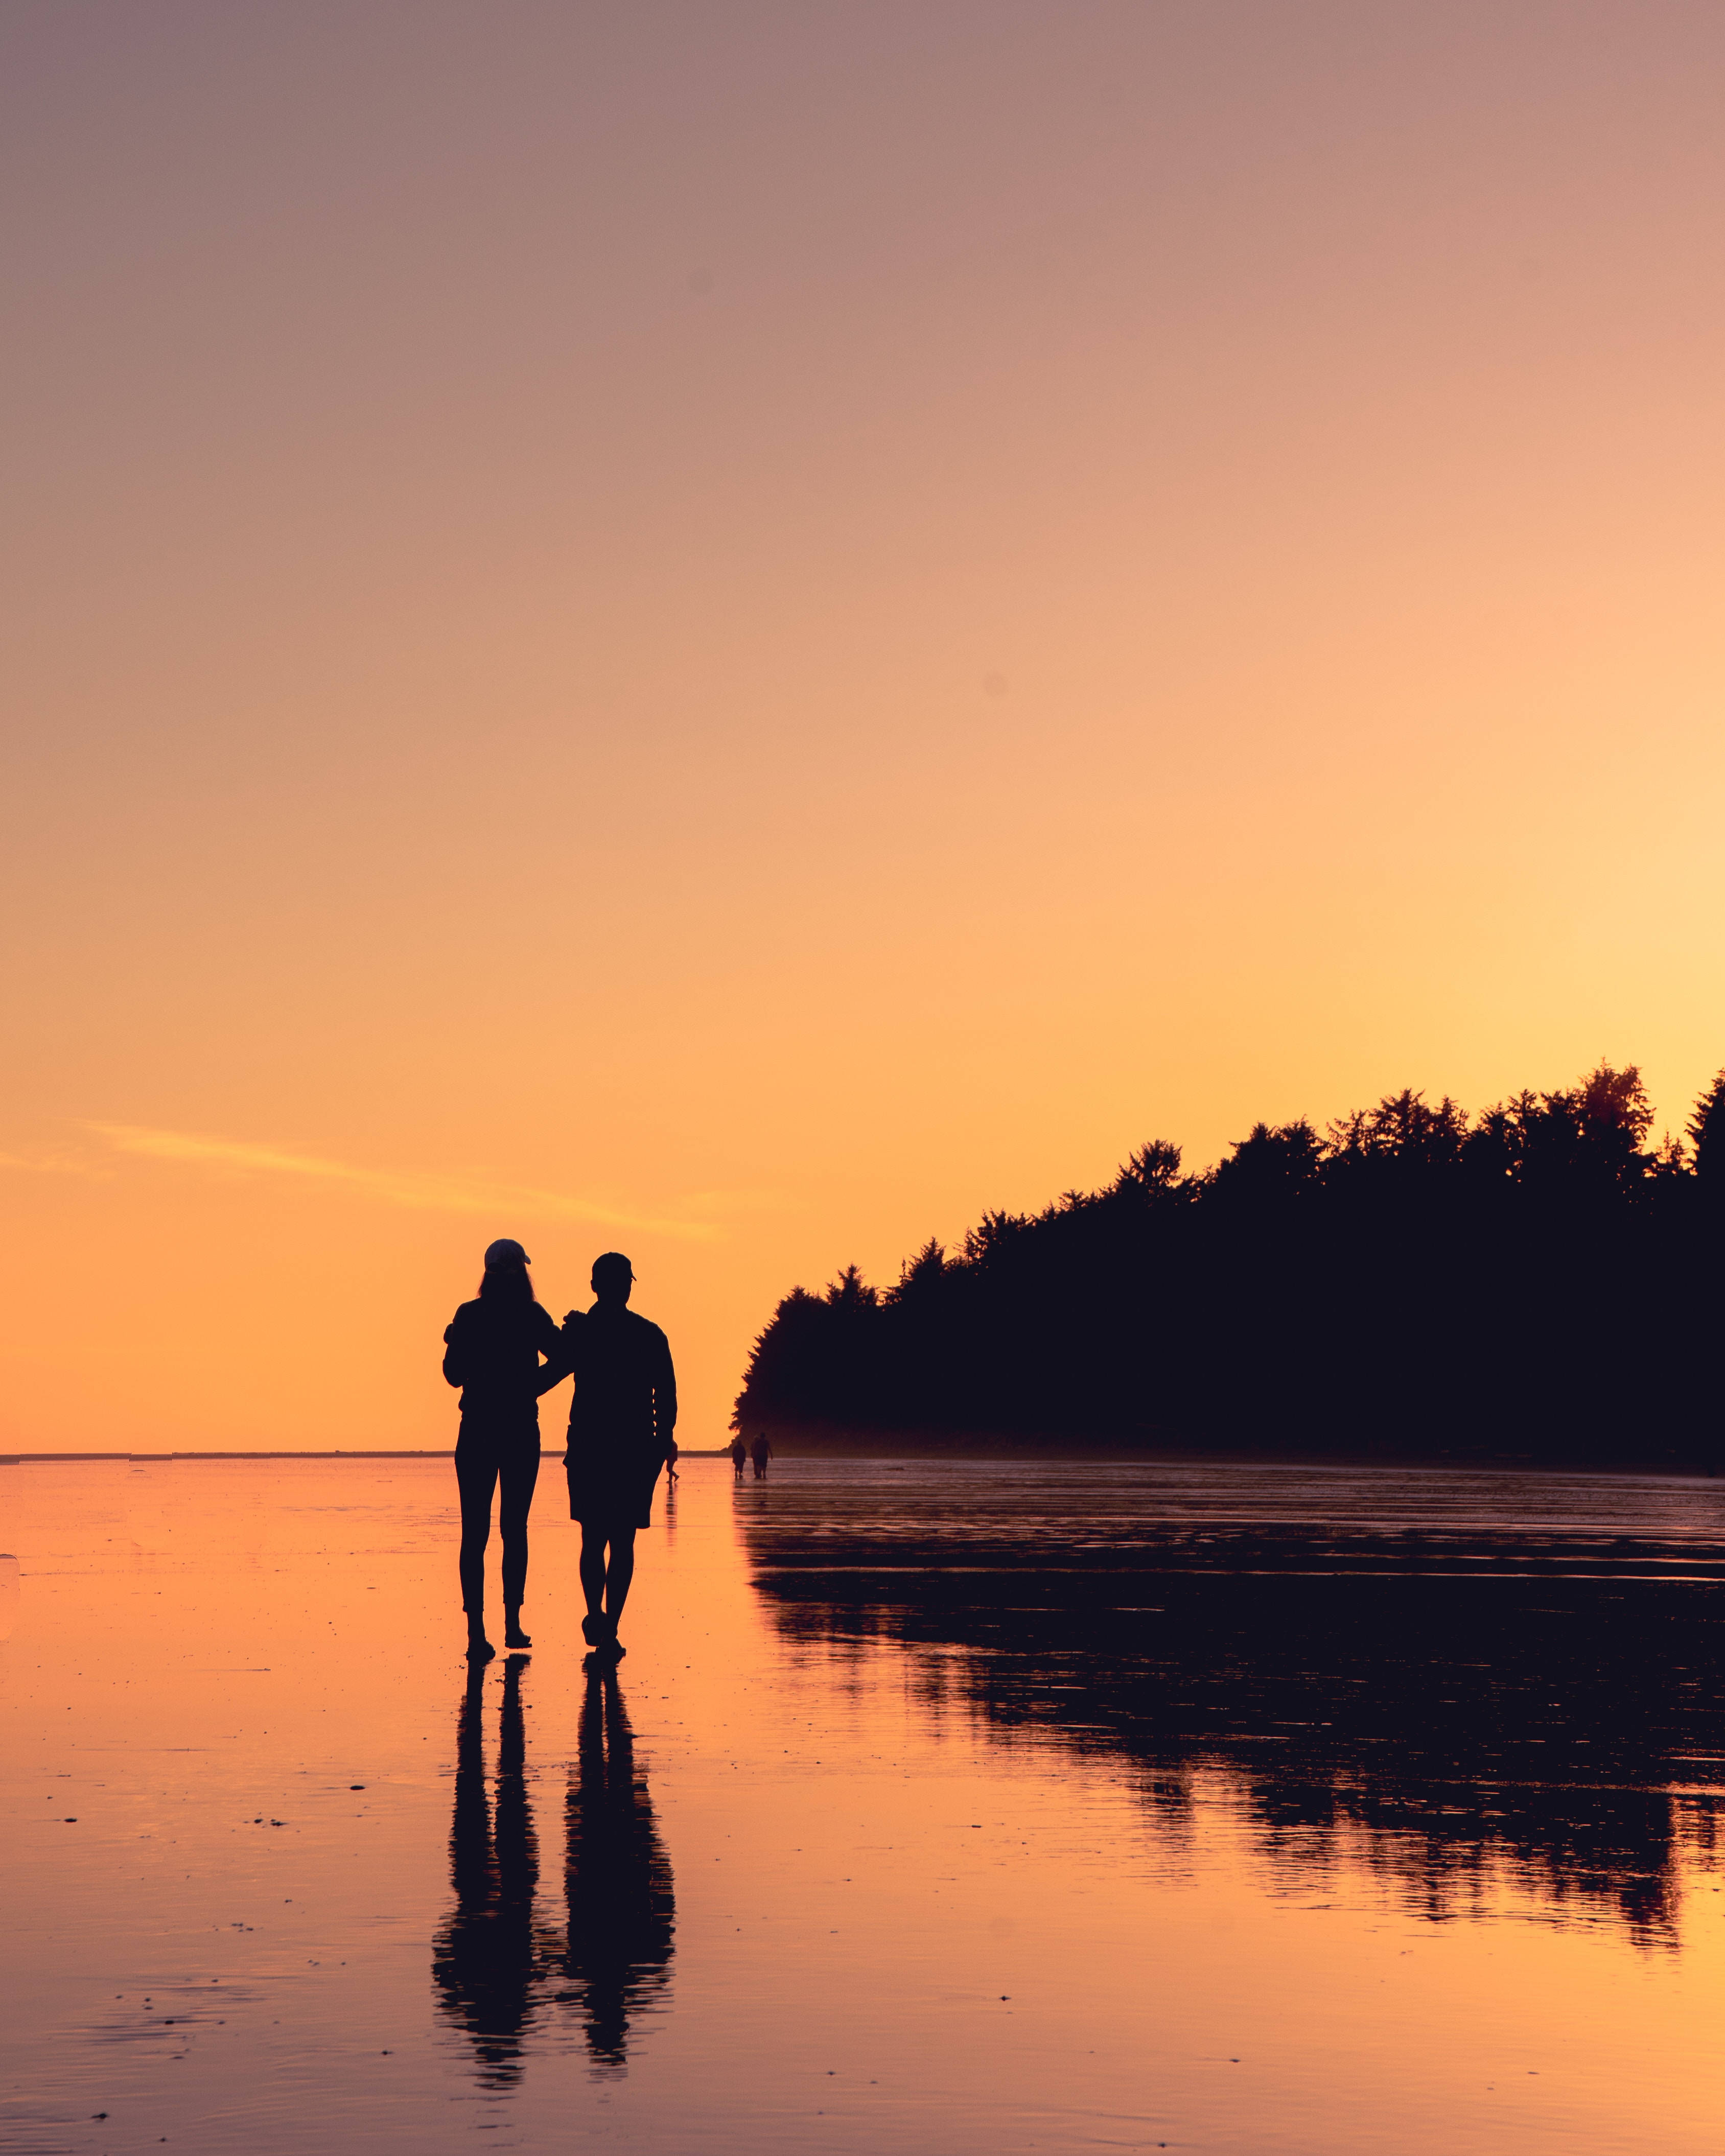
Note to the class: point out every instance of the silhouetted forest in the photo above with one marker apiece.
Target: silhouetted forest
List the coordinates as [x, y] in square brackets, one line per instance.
[1537, 1281]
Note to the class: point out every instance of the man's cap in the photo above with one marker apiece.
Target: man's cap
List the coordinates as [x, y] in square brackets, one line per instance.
[505, 1251]
[613, 1261]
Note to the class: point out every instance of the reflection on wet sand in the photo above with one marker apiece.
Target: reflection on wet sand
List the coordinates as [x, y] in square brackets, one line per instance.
[490, 1954]
[499, 1962]
[622, 1903]
[1063, 1859]
[1455, 1700]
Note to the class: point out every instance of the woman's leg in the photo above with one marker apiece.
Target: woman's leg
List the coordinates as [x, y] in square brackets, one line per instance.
[476, 1477]
[520, 1472]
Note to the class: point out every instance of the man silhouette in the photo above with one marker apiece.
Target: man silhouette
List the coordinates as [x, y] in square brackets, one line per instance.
[621, 1425]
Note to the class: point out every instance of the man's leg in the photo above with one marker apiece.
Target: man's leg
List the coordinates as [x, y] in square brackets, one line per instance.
[519, 1474]
[592, 1568]
[619, 1573]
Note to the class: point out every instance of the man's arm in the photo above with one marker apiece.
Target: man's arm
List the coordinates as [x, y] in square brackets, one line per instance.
[664, 1396]
[559, 1352]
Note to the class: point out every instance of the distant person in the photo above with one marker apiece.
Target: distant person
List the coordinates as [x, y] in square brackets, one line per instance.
[739, 1457]
[491, 1351]
[760, 1452]
[621, 1426]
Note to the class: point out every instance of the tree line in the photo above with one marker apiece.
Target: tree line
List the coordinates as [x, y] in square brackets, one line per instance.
[1537, 1281]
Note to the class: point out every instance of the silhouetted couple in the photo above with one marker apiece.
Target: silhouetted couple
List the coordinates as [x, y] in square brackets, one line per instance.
[621, 1422]
[761, 1451]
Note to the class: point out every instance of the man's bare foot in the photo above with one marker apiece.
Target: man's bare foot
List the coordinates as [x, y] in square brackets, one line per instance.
[515, 1637]
[478, 1648]
[594, 1628]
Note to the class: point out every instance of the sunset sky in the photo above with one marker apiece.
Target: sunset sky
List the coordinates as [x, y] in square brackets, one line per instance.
[736, 631]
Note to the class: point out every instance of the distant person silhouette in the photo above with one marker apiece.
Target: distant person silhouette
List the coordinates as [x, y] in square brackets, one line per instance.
[621, 1426]
[491, 1351]
[760, 1452]
[617, 1878]
[739, 1457]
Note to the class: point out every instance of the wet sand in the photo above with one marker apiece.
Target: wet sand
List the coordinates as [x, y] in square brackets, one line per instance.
[937, 1807]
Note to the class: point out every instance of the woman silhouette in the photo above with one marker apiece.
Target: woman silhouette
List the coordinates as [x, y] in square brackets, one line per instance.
[492, 1350]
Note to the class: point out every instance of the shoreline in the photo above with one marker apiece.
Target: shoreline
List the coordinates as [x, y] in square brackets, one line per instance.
[999, 1456]
[433, 1452]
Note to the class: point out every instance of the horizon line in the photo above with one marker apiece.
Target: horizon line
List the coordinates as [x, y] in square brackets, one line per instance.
[35, 1459]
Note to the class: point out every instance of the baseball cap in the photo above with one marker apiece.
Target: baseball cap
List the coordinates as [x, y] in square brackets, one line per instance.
[505, 1251]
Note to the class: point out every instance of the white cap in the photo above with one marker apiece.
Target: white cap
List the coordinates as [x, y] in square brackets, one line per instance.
[505, 1251]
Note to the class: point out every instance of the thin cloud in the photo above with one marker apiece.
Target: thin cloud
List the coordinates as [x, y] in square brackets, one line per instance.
[52, 1163]
[431, 1194]
[739, 1201]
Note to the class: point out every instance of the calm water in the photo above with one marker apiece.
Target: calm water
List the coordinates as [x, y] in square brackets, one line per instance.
[936, 1808]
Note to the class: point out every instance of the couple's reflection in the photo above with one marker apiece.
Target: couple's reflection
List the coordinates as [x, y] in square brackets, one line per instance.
[498, 1962]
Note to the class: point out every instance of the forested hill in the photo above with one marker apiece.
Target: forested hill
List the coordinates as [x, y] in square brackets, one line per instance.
[1535, 1282]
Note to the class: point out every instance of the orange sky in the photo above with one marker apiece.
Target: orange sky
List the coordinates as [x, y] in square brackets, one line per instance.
[737, 631]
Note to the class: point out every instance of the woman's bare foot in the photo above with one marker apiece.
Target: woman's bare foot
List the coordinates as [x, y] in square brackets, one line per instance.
[593, 1629]
[515, 1637]
[479, 1647]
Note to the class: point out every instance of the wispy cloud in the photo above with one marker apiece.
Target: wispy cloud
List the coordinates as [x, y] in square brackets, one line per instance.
[433, 1194]
[52, 1163]
[742, 1201]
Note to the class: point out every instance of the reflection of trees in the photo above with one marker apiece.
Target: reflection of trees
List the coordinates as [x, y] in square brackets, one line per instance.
[622, 1904]
[488, 1957]
[1455, 1712]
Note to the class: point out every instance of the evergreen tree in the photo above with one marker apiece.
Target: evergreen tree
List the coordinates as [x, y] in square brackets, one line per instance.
[1705, 1131]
